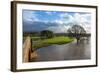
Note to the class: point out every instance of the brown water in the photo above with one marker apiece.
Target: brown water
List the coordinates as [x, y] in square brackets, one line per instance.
[70, 51]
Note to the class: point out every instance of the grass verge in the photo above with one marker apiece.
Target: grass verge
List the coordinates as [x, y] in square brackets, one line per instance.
[51, 41]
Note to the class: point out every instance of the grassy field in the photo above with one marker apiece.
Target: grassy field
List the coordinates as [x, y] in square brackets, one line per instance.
[46, 42]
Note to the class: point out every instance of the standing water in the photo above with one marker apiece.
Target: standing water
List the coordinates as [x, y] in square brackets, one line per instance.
[69, 51]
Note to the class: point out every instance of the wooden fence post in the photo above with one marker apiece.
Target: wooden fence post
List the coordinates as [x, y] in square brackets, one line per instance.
[28, 54]
[26, 49]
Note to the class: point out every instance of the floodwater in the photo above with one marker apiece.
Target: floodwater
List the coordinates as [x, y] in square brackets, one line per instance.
[69, 51]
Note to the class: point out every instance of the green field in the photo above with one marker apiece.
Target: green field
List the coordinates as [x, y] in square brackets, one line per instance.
[47, 42]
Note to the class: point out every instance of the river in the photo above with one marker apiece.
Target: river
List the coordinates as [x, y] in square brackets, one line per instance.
[69, 51]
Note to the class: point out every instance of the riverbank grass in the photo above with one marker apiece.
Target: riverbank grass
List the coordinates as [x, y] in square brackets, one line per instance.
[55, 40]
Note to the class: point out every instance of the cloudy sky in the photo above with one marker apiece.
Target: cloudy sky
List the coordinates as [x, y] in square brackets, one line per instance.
[55, 21]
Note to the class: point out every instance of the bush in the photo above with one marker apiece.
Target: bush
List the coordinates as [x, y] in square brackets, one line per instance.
[45, 34]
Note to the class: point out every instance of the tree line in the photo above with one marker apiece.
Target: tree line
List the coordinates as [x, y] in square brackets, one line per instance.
[75, 29]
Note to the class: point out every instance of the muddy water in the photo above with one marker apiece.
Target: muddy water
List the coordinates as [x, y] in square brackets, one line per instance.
[70, 51]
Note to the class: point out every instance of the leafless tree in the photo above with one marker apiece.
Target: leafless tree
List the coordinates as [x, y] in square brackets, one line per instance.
[76, 31]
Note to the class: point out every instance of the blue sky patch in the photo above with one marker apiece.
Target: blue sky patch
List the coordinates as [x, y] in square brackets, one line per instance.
[56, 21]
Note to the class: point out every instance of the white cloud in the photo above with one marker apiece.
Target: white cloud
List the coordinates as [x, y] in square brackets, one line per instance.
[66, 18]
[63, 15]
[62, 22]
[83, 20]
[49, 13]
[29, 16]
[59, 28]
[58, 21]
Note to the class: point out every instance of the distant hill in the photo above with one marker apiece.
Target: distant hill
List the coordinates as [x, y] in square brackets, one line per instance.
[39, 26]
[36, 26]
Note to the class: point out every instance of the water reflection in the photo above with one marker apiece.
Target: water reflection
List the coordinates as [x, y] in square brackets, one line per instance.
[70, 51]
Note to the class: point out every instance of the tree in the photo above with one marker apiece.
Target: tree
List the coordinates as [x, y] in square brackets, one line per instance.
[46, 34]
[76, 31]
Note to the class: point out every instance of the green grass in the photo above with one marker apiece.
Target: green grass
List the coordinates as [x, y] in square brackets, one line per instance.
[51, 41]
[35, 38]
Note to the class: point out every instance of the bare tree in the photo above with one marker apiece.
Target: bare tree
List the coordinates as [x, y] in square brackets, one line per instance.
[76, 31]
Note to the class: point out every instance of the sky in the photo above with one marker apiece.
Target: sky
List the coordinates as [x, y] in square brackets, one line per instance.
[56, 21]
